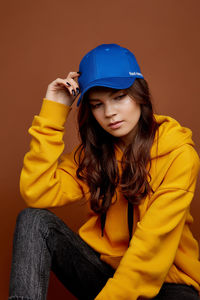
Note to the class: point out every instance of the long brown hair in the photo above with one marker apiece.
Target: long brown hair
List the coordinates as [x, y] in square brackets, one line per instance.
[96, 160]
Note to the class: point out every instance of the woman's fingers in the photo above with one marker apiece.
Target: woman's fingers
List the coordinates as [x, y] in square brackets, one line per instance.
[73, 74]
[72, 85]
[59, 83]
[64, 90]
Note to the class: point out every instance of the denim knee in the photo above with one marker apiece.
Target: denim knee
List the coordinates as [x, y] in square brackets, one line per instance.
[32, 219]
[30, 213]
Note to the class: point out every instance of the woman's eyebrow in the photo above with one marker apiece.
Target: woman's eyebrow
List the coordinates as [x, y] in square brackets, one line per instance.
[93, 100]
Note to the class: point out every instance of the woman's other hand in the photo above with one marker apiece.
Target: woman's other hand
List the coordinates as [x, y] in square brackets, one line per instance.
[64, 90]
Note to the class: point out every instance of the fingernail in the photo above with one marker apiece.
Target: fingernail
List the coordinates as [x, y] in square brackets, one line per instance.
[77, 89]
[79, 72]
[68, 83]
[73, 92]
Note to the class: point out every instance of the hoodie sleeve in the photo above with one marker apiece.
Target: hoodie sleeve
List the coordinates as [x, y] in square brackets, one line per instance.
[152, 250]
[43, 181]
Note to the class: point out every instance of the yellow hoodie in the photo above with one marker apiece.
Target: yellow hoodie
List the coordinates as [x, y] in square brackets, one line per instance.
[162, 248]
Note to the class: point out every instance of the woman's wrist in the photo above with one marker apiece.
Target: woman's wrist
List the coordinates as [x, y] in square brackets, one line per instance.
[67, 103]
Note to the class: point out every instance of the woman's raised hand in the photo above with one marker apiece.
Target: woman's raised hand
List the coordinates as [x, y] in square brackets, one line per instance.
[64, 90]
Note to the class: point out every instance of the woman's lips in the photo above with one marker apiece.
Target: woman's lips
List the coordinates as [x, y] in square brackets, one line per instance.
[115, 125]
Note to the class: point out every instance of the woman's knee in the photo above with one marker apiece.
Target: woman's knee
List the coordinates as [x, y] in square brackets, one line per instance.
[30, 213]
[32, 218]
[39, 223]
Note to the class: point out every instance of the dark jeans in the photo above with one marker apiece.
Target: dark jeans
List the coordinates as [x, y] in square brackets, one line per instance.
[43, 242]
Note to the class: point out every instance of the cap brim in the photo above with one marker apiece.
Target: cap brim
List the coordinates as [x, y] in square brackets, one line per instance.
[115, 82]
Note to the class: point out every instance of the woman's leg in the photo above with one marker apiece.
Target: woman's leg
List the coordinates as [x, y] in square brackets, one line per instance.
[43, 242]
[174, 291]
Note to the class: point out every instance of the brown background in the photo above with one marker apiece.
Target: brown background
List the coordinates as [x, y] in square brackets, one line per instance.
[43, 40]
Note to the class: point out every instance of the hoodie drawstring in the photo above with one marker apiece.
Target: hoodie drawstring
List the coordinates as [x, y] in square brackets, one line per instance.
[103, 222]
[130, 220]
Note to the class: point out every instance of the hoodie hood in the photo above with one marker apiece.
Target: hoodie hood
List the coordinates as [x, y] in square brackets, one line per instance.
[170, 136]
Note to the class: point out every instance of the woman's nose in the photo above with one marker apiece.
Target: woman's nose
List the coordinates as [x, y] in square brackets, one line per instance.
[109, 110]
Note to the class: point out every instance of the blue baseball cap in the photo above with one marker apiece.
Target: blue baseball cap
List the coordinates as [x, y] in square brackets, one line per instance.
[108, 65]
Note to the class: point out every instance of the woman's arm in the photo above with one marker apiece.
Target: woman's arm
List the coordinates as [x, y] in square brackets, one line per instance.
[153, 247]
[43, 183]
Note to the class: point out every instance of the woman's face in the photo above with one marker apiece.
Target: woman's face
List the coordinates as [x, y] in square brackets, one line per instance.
[116, 112]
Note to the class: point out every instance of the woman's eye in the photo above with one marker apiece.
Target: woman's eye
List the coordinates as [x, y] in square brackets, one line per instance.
[119, 97]
[96, 105]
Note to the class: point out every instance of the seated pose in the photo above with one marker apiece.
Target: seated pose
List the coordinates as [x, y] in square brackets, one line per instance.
[136, 171]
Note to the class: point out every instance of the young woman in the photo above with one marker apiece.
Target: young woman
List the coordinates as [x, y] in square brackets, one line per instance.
[137, 172]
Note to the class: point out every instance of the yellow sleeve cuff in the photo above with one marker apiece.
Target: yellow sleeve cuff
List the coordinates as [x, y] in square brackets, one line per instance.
[54, 111]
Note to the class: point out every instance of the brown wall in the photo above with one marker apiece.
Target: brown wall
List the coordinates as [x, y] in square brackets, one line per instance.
[43, 40]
